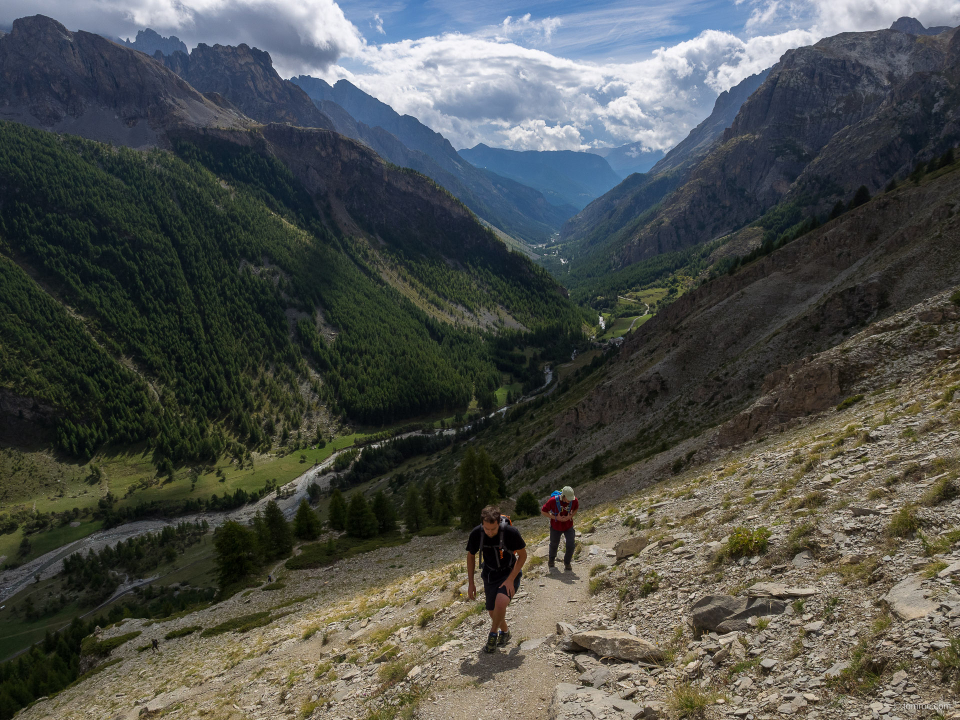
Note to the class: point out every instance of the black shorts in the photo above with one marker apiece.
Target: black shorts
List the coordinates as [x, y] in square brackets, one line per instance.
[493, 588]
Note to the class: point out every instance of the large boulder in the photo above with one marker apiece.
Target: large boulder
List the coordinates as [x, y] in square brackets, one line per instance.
[908, 599]
[565, 633]
[726, 613]
[571, 702]
[629, 546]
[620, 645]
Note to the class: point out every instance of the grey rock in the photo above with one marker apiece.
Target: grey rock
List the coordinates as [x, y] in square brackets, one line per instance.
[726, 613]
[907, 599]
[572, 702]
[629, 546]
[803, 559]
[862, 511]
[528, 645]
[835, 671]
[616, 644]
[598, 676]
[768, 664]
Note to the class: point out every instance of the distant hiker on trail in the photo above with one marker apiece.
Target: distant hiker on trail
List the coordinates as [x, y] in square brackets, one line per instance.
[561, 509]
[503, 557]
[155, 644]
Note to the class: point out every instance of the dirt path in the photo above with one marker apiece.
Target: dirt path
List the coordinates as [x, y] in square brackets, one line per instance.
[519, 683]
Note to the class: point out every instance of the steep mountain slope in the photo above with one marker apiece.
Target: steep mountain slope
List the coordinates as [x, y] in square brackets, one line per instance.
[563, 176]
[245, 77]
[712, 353]
[858, 108]
[405, 141]
[592, 239]
[83, 84]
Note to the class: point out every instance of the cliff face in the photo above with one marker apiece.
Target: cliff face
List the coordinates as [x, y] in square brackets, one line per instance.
[245, 76]
[81, 83]
[858, 108]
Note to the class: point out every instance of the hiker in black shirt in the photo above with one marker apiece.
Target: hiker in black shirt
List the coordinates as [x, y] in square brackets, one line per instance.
[503, 557]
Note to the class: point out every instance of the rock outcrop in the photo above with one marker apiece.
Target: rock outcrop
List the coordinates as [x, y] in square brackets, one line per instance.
[84, 84]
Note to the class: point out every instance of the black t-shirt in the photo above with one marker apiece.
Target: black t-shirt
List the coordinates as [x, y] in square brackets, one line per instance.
[512, 541]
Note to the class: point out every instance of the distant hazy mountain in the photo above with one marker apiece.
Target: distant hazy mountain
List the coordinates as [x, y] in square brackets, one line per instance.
[629, 159]
[149, 41]
[403, 140]
[564, 177]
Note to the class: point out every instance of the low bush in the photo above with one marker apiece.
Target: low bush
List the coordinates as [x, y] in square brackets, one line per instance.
[102, 648]
[942, 491]
[240, 624]
[744, 542]
[182, 632]
[903, 523]
[849, 402]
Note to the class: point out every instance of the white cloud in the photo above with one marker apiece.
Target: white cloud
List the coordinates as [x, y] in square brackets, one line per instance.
[377, 24]
[312, 33]
[528, 29]
[478, 88]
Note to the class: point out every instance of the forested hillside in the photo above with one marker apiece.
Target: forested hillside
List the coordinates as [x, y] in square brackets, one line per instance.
[198, 299]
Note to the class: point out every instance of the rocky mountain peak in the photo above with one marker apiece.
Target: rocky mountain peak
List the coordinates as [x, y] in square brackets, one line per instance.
[150, 42]
[82, 83]
[912, 26]
[245, 76]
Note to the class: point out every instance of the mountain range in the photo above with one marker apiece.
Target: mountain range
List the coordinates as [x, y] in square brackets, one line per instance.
[563, 176]
[507, 204]
[855, 109]
[235, 280]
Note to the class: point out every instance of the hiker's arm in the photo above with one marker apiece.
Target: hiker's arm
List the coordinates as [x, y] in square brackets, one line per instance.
[512, 577]
[471, 568]
[546, 514]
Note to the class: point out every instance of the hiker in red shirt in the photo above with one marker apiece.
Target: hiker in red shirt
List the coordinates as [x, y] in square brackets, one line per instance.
[561, 510]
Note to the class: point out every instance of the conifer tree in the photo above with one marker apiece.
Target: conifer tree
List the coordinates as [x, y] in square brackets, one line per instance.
[306, 524]
[443, 508]
[279, 538]
[338, 511]
[428, 497]
[236, 552]
[361, 522]
[385, 513]
[413, 516]
[477, 487]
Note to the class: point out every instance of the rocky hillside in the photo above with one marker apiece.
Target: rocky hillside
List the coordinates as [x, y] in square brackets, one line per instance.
[246, 78]
[890, 101]
[812, 574]
[721, 346]
[84, 84]
[607, 221]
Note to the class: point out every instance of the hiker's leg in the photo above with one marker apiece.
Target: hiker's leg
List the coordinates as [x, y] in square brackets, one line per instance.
[554, 544]
[569, 542]
[499, 614]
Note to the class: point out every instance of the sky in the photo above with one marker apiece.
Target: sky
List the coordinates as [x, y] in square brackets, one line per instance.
[537, 75]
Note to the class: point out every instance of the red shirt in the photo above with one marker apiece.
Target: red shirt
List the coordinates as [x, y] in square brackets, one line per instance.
[556, 506]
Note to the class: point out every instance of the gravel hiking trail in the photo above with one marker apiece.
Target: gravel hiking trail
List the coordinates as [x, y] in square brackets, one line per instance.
[515, 683]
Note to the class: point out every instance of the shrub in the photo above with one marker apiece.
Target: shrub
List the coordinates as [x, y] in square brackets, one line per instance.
[689, 701]
[744, 542]
[527, 505]
[649, 585]
[182, 632]
[943, 491]
[102, 648]
[949, 659]
[849, 402]
[425, 616]
[903, 523]
[240, 624]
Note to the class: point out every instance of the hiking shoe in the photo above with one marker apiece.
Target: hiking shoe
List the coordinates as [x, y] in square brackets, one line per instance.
[568, 567]
[503, 638]
[491, 645]
[551, 563]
